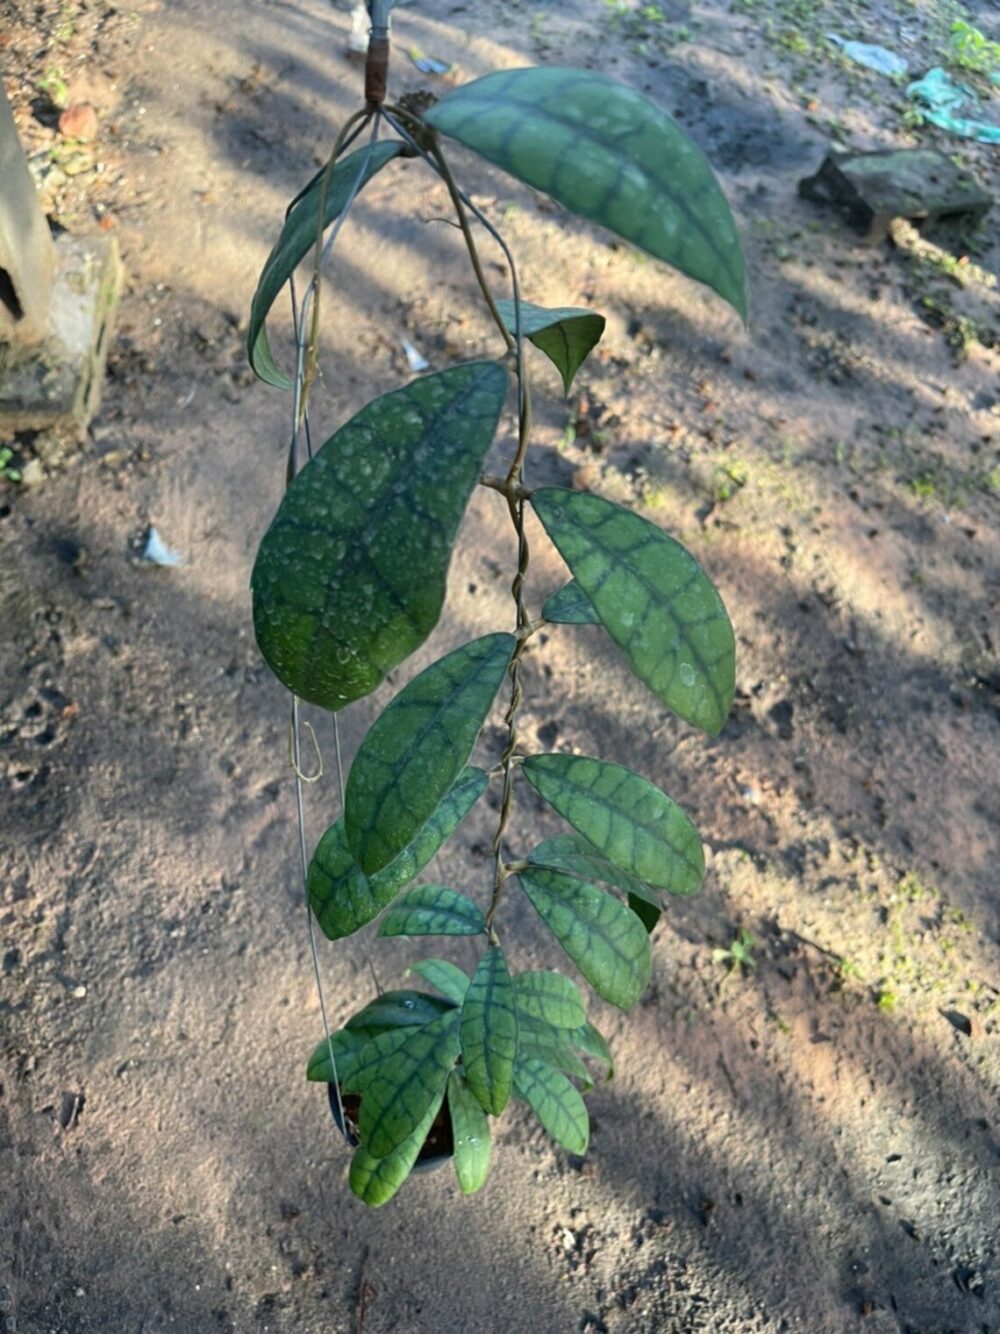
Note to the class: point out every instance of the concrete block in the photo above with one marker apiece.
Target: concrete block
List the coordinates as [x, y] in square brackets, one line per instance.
[874, 188]
[57, 384]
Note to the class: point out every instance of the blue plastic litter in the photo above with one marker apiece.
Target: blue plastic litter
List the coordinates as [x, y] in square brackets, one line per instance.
[941, 101]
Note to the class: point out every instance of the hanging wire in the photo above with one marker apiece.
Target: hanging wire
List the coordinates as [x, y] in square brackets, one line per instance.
[300, 426]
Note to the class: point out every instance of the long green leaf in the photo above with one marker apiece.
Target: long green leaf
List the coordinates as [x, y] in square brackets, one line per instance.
[433, 910]
[376, 1180]
[653, 598]
[555, 1102]
[471, 1132]
[608, 154]
[416, 748]
[397, 1090]
[570, 605]
[605, 940]
[565, 334]
[628, 820]
[344, 899]
[550, 997]
[444, 976]
[350, 576]
[298, 237]
[489, 1032]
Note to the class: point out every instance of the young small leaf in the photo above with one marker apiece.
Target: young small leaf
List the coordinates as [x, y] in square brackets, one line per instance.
[555, 1102]
[608, 154]
[573, 854]
[471, 1131]
[653, 598]
[417, 747]
[444, 976]
[605, 940]
[433, 910]
[566, 335]
[550, 997]
[344, 899]
[399, 1009]
[570, 605]
[588, 1040]
[648, 913]
[489, 1032]
[554, 1046]
[350, 576]
[297, 239]
[376, 1180]
[397, 1091]
[628, 820]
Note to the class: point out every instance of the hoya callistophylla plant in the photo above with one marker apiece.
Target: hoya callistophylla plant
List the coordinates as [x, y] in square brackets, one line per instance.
[350, 579]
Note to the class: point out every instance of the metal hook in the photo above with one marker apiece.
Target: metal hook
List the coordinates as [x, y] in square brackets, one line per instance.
[302, 777]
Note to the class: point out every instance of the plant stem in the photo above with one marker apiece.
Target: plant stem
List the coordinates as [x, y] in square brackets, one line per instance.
[511, 487]
[470, 245]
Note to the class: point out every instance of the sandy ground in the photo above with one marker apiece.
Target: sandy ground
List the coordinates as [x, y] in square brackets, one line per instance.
[812, 1145]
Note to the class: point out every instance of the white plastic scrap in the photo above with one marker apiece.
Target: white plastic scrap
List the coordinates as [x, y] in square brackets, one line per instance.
[414, 360]
[157, 551]
[872, 57]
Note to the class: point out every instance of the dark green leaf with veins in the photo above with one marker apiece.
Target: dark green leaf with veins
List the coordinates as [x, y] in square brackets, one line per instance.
[298, 238]
[403, 1074]
[433, 910]
[416, 748]
[471, 1132]
[603, 937]
[344, 899]
[376, 1180]
[566, 334]
[555, 1102]
[608, 154]
[653, 598]
[350, 577]
[550, 997]
[446, 977]
[570, 605]
[629, 821]
[489, 1032]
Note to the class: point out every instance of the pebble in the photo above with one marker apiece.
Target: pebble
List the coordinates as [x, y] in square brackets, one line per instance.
[32, 474]
[80, 991]
[79, 122]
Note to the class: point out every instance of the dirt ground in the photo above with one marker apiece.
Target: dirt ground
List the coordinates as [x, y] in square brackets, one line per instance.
[812, 1144]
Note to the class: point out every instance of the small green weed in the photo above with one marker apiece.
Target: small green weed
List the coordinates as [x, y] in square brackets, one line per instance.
[53, 82]
[6, 471]
[970, 50]
[739, 956]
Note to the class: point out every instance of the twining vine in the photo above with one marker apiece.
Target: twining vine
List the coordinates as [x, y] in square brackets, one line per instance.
[350, 579]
